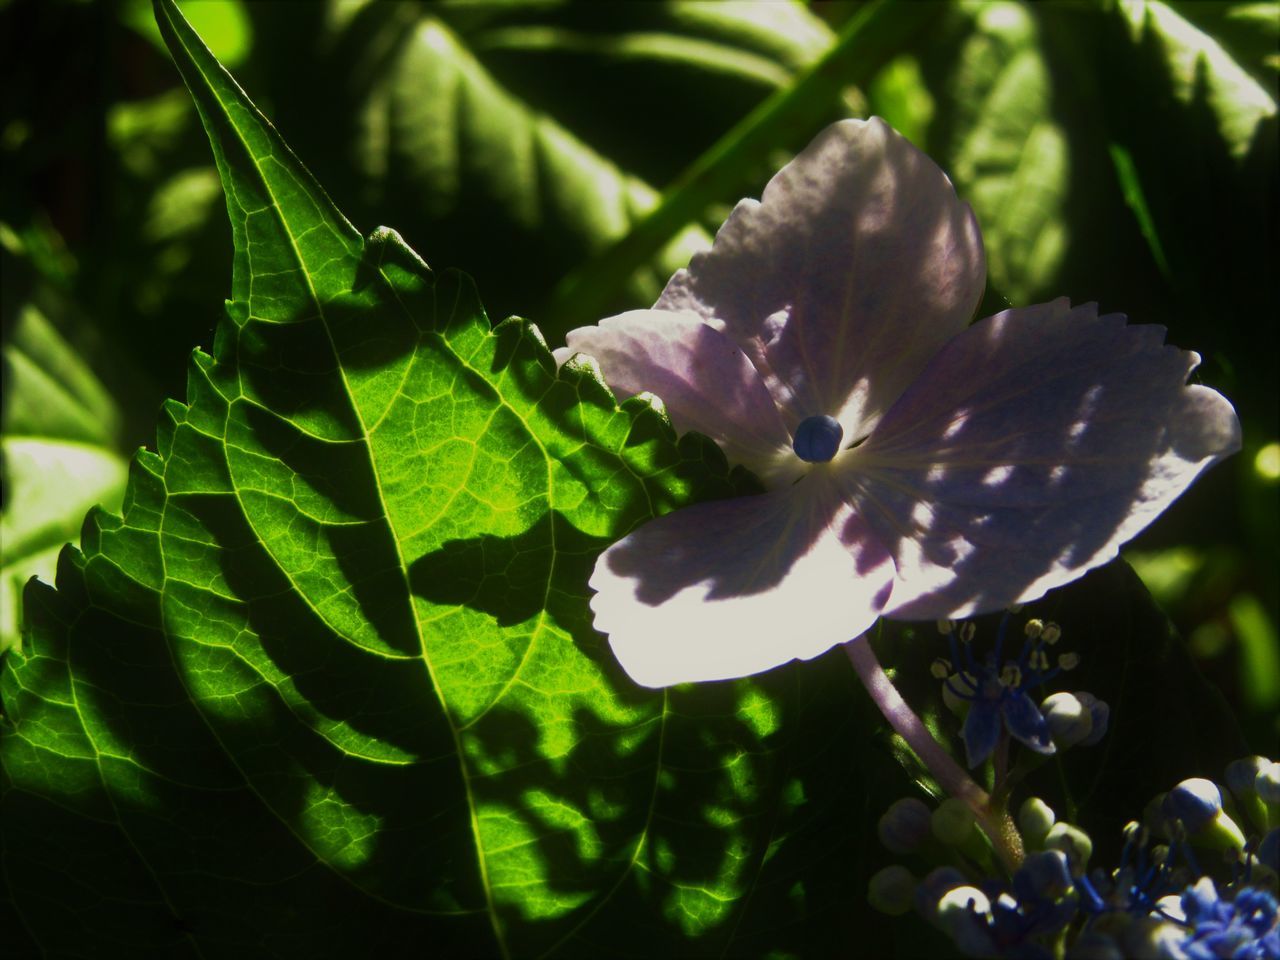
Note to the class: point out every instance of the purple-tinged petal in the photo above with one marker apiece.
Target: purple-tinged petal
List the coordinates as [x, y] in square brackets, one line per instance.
[1026, 723]
[854, 268]
[1032, 446]
[704, 379]
[981, 730]
[734, 587]
[1099, 717]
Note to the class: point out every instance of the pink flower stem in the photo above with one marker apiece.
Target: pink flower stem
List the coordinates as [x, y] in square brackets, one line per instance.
[994, 821]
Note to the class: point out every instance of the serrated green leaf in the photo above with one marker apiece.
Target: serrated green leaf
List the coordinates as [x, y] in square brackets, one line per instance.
[1250, 31]
[328, 684]
[462, 119]
[1200, 69]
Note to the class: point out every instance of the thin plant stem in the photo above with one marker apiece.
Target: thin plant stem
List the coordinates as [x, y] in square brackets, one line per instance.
[995, 822]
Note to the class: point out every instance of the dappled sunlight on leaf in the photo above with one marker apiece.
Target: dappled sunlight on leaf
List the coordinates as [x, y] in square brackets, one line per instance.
[335, 652]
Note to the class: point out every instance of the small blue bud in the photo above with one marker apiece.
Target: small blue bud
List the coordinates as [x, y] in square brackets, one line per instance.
[1044, 875]
[1196, 802]
[817, 439]
[905, 825]
[932, 888]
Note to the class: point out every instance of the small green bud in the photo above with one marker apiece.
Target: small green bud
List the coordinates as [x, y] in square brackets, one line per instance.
[1197, 804]
[1241, 779]
[953, 822]
[892, 890]
[1072, 841]
[1035, 818]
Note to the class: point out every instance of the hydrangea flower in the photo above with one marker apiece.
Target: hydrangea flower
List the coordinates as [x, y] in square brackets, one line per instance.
[996, 690]
[915, 466]
[1243, 927]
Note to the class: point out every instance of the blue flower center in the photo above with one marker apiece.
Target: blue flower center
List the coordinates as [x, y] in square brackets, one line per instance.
[817, 439]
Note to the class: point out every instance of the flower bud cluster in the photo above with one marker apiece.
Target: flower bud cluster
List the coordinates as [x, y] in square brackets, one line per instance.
[962, 892]
[1159, 901]
[1238, 819]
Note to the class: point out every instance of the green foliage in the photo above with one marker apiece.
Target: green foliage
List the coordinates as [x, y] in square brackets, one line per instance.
[328, 682]
[334, 660]
[59, 435]
[467, 121]
[1006, 150]
[1201, 70]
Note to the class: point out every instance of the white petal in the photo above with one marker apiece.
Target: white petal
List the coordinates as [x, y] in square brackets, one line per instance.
[1034, 445]
[855, 267]
[704, 379]
[734, 587]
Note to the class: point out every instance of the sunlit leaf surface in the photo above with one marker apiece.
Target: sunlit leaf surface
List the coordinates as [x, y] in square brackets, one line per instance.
[329, 681]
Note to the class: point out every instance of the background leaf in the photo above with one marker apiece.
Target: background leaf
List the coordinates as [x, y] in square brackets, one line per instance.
[59, 435]
[458, 122]
[1202, 71]
[995, 126]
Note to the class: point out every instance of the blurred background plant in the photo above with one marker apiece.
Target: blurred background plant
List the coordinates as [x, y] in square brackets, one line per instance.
[572, 156]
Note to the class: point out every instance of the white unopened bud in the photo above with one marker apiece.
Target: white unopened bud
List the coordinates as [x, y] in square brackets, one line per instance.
[1070, 721]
